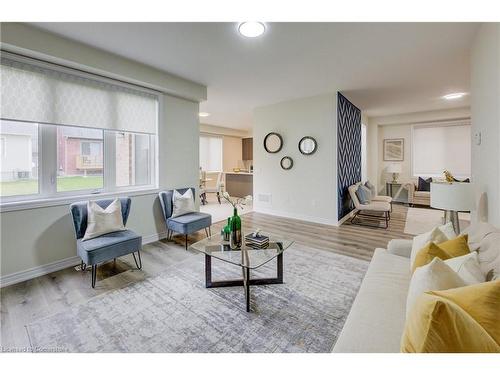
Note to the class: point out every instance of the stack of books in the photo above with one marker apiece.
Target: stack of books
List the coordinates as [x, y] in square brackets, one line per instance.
[257, 242]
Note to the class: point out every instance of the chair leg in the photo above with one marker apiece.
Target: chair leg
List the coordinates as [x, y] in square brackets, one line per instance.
[387, 217]
[83, 266]
[206, 232]
[139, 265]
[209, 232]
[186, 241]
[218, 197]
[94, 274]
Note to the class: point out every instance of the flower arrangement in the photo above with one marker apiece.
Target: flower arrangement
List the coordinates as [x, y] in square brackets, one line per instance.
[237, 202]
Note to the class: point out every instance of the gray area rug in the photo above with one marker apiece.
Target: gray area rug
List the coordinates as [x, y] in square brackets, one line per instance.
[173, 312]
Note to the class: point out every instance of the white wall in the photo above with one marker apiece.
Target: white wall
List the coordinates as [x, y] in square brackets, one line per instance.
[309, 190]
[485, 106]
[399, 126]
[36, 237]
[25, 39]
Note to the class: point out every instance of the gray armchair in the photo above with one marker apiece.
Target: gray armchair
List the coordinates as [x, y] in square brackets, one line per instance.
[108, 246]
[185, 224]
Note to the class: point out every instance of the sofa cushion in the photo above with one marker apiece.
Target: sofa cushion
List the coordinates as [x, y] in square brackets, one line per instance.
[424, 185]
[485, 239]
[460, 320]
[364, 194]
[375, 206]
[377, 316]
[189, 223]
[422, 194]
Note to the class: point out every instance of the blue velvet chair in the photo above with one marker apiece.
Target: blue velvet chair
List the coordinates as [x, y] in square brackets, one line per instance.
[185, 224]
[108, 246]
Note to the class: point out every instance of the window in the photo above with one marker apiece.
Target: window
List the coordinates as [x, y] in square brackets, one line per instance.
[72, 133]
[133, 159]
[80, 159]
[211, 153]
[439, 147]
[18, 159]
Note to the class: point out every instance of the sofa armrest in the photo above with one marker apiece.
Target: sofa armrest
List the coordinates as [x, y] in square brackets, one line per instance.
[411, 191]
[400, 247]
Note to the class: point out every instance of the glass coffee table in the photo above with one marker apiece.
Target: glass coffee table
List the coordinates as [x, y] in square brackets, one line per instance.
[247, 257]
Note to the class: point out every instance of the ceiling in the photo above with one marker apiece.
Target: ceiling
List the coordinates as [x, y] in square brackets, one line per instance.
[383, 68]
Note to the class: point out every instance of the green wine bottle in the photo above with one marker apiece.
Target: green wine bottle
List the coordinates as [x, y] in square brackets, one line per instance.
[226, 231]
[235, 237]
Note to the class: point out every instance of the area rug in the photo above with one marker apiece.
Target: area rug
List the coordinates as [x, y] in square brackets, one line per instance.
[421, 220]
[173, 312]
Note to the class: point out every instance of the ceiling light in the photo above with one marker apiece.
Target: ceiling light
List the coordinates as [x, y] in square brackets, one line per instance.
[251, 29]
[455, 95]
[203, 114]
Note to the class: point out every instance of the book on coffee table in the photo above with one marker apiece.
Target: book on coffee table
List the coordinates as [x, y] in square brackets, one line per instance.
[258, 242]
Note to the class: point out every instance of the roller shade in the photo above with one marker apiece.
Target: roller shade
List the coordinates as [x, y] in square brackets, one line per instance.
[30, 92]
[439, 147]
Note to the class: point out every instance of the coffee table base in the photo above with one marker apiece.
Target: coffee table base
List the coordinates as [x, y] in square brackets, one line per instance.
[245, 281]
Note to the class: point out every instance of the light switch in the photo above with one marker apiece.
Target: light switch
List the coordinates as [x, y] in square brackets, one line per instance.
[477, 138]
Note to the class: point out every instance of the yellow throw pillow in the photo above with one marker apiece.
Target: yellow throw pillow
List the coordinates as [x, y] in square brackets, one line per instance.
[445, 250]
[460, 320]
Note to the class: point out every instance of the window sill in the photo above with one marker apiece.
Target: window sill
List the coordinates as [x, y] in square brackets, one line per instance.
[66, 200]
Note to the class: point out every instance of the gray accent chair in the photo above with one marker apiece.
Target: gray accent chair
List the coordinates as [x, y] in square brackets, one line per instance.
[185, 224]
[108, 246]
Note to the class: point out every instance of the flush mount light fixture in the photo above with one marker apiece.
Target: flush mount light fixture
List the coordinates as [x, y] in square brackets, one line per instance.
[251, 29]
[455, 95]
[203, 114]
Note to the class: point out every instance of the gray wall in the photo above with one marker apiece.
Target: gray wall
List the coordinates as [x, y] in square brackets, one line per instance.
[485, 109]
[36, 237]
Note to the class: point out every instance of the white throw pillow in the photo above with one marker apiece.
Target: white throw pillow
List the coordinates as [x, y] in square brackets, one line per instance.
[467, 267]
[182, 203]
[448, 230]
[101, 221]
[435, 275]
[436, 235]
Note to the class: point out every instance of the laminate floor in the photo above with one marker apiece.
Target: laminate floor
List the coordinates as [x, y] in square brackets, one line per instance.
[31, 300]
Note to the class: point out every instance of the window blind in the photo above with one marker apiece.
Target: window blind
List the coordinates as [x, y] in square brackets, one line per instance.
[211, 153]
[36, 93]
[439, 147]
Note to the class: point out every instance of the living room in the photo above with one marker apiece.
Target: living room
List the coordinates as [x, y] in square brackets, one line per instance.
[250, 187]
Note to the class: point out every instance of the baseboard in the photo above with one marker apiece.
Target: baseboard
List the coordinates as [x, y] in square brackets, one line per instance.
[153, 237]
[31, 273]
[289, 215]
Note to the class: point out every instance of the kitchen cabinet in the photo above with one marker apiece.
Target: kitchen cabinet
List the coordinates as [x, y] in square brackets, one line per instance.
[247, 149]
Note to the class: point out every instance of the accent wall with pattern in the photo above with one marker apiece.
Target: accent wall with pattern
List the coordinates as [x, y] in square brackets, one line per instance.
[349, 151]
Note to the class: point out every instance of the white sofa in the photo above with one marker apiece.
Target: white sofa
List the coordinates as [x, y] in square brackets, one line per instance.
[376, 321]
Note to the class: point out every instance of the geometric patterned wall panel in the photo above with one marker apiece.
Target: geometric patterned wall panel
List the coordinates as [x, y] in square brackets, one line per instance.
[349, 151]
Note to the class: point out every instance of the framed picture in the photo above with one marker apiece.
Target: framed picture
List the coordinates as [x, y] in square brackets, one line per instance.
[394, 149]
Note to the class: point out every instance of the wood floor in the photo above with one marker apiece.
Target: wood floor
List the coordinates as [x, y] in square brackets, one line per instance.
[31, 300]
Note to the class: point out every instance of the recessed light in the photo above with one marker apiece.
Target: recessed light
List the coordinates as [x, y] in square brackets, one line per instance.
[455, 95]
[203, 114]
[251, 29]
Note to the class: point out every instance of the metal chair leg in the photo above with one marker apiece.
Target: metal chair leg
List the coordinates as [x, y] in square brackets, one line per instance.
[206, 232]
[94, 274]
[138, 265]
[209, 231]
[83, 266]
[186, 241]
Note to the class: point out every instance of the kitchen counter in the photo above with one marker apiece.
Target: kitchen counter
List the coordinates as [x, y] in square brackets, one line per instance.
[239, 184]
[244, 173]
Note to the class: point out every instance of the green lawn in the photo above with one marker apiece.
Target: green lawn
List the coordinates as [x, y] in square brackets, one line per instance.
[23, 187]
